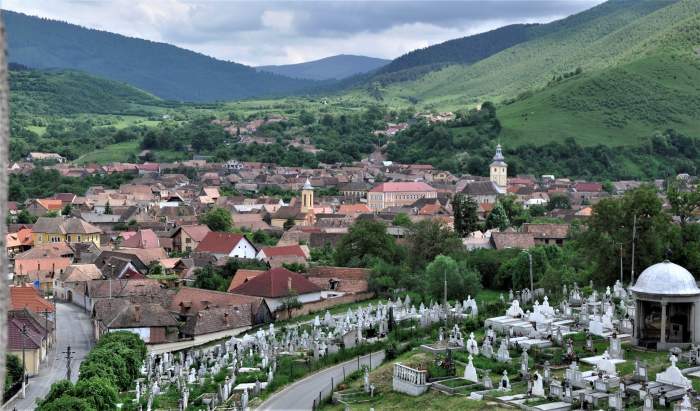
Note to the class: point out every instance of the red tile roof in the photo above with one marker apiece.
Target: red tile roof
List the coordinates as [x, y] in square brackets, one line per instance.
[588, 187]
[401, 187]
[275, 283]
[219, 243]
[142, 239]
[198, 299]
[28, 297]
[284, 250]
[243, 276]
[196, 232]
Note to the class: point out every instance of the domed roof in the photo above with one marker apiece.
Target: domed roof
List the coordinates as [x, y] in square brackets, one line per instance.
[666, 278]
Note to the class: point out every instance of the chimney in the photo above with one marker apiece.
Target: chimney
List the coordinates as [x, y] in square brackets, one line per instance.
[137, 312]
[226, 318]
[289, 283]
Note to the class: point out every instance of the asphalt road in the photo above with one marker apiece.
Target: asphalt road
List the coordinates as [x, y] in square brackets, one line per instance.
[74, 328]
[301, 394]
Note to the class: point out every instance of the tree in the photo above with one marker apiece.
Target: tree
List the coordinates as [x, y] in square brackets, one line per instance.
[51, 214]
[559, 201]
[66, 403]
[108, 208]
[428, 239]
[612, 222]
[683, 202]
[99, 392]
[290, 302]
[366, 241]
[306, 118]
[466, 219]
[67, 209]
[13, 370]
[402, 220]
[24, 217]
[460, 280]
[217, 219]
[288, 224]
[497, 218]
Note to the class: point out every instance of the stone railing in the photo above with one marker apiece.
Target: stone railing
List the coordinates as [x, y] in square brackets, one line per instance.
[409, 381]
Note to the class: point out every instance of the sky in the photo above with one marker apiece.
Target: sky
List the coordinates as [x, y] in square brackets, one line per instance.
[283, 32]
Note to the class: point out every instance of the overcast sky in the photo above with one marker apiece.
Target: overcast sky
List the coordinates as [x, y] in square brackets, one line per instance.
[276, 32]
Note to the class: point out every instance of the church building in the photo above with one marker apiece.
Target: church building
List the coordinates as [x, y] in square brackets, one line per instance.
[499, 170]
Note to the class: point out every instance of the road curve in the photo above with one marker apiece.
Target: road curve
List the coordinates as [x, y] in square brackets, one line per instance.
[301, 394]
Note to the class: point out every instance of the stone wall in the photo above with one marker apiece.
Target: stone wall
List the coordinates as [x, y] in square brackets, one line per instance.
[323, 305]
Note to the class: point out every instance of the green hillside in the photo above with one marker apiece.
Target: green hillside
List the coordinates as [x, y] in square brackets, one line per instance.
[67, 92]
[598, 38]
[620, 104]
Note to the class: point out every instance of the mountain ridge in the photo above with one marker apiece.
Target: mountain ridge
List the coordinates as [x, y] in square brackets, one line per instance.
[165, 70]
[336, 67]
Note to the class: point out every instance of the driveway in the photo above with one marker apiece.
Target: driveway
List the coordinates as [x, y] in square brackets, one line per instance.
[74, 328]
[301, 394]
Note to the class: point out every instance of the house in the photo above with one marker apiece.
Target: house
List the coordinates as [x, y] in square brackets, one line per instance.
[278, 284]
[28, 297]
[187, 237]
[227, 245]
[397, 194]
[39, 271]
[152, 322]
[354, 210]
[241, 276]
[41, 206]
[31, 335]
[141, 290]
[70, 230]
[548, 233]
[66, 281]
[279, 255]
[483, 192]
[288, 213]
[19, 242]
[354, 189]
[189, 301]
[512, 239]
[141, 239]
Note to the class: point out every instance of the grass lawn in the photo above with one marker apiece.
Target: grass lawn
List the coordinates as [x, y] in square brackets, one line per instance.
[40, 130]
[114, 152]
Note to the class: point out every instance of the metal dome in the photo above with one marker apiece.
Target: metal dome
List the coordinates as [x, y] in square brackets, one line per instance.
[666, 278]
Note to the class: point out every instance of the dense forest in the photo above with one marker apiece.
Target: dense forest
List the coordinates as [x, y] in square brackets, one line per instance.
[164, 70]
[464, 50]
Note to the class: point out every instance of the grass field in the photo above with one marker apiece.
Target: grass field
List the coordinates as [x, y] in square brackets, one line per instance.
[120, 152]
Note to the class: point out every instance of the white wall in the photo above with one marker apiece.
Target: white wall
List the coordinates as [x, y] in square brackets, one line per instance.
[275, 303]
[244, 249]
[143, 333]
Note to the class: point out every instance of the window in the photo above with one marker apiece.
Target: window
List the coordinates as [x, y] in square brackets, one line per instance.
[188, 240]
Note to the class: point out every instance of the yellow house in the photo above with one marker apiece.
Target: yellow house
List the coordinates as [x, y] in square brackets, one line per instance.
[69, 230]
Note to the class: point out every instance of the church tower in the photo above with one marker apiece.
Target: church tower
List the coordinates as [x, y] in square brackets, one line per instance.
[499, 170]
[307, 197]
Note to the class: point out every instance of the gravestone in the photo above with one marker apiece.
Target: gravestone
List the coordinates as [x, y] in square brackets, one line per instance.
[504, 385]
[615, 350]
[537, 385]
[472, 345]
[470, 371]
[503, 353]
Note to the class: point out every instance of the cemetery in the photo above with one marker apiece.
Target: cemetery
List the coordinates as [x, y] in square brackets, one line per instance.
[573, 348]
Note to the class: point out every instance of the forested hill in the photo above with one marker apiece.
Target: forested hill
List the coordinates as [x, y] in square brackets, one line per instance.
[464, 50]
[333, 67]
[64, 92]
[164, 70]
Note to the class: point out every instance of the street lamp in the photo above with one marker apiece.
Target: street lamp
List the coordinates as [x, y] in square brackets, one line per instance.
[529, 256]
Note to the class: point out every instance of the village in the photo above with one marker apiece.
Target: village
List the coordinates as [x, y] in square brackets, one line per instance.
[219, 268]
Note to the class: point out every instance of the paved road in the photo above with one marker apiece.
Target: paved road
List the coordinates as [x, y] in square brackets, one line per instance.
[301, 394]
[74, 328]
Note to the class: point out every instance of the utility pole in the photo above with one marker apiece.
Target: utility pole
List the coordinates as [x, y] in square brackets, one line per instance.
[69, 357]
[634, 236]
[46, 325]
[23, 332]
